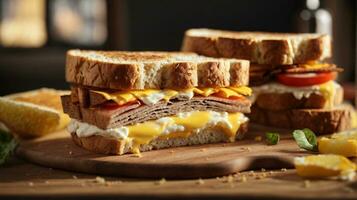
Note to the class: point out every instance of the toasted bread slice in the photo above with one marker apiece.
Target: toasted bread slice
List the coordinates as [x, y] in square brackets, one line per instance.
[321, 121]
[259, 47]
[155, 70]
[106, 145]
[33, 113]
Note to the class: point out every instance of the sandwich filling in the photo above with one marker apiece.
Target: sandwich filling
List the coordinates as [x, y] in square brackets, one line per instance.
[326, 90]
[141, 116]
[152, 96]
[180, 125]
[309, 86]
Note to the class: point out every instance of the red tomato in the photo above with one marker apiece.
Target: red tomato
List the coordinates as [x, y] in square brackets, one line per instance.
[306, 79]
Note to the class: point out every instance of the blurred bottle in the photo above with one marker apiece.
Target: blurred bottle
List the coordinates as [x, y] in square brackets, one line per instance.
[311, 18]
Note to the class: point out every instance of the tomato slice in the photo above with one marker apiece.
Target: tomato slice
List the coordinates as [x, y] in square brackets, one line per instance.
[305, 79]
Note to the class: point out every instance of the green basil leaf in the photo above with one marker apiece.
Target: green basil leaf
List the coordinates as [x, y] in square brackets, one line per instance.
[306, 139]
[272, 138]
[7, 146]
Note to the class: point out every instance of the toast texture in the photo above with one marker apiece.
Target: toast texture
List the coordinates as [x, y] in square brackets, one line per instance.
[259, 47]
[106, 145]
[33, 113]
[321, 121]
[120, 70]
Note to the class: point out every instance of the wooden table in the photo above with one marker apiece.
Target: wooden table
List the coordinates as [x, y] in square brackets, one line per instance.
[21, 179]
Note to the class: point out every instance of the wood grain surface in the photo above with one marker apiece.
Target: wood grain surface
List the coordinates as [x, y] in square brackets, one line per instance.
[23, 180]
[211, 160]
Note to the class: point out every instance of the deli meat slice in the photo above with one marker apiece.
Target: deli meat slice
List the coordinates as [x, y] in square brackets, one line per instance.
[137, 113]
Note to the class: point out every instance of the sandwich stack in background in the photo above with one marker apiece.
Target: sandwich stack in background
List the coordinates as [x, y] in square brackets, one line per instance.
[124, 102]
[293, 85]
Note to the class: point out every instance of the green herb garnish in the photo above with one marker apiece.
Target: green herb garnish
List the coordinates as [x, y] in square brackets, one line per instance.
[272, 138]
[7, 146]
[306, 139]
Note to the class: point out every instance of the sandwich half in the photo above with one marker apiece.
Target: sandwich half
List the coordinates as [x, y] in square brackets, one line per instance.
[293, 84]
[129, 102]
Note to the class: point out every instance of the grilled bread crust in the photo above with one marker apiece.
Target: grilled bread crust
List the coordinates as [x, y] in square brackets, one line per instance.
[259, 47]
[122, 70]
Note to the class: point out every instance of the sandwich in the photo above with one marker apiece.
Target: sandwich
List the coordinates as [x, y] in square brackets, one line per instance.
[130, 102]
[293, 83]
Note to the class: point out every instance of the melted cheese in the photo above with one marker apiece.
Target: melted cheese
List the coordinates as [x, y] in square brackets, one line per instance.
[314, 65]
[328, 90]
[181, 125]
[152, 96]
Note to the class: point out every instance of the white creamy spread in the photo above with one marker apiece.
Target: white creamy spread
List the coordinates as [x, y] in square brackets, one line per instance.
[298, 92]
[83, 129]
[188, 94]
[153, 98]
[220, 118]
[170, 126]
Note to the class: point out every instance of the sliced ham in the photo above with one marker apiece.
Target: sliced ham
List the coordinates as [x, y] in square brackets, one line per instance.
[137, 113]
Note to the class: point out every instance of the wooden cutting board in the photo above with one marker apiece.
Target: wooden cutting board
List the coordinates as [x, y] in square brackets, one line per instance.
[58, 151]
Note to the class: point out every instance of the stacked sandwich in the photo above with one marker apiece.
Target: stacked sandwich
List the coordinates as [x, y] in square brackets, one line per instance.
[124, 102]
[294, 86]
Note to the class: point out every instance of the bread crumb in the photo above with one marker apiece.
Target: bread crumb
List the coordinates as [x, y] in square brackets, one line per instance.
[203, 150]
[172, 151]
[230, 179]
[271, 172]
[99, 180]
[47, 182]
[261, 176]
[283, 169]
[161, 181]
[70, 152]
[74, 177]
[251, 173]
[108, 183]
[263, 170]
[258, 138]
[306, 184]
[243, 179]
[31, 184]
[200, 181]
[249, 149]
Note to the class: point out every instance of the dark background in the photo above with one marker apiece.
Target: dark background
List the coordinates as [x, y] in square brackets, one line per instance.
[160, 25]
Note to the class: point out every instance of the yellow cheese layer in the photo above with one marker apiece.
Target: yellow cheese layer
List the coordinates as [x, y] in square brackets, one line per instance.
[124, 97]
[314, 65]
[191, 122]
[328, 90]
